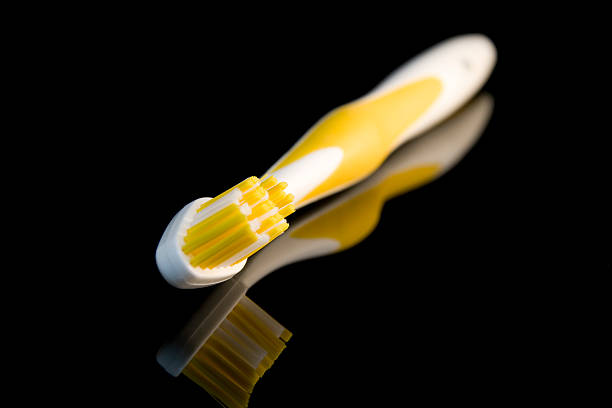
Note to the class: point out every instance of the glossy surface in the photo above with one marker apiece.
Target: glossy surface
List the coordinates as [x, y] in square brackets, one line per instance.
[441, 304]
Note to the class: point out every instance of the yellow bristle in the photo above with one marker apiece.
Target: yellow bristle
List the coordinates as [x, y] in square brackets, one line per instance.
[277, 188]
[231, 249]
[243, 186]
[260, 209]
[209, 221]
[269, 182]
[222, 369]
[247, 184]
[253, 196]
[278, 196]
[215, 199]
[288, 199]
[217, 384]
[214, 231]
[232, 240]
[276, 231]
[270, 222]
[286, 335]
[234, 359]
[287, 210]
[214, 357]
[216, 240]
[227, 231]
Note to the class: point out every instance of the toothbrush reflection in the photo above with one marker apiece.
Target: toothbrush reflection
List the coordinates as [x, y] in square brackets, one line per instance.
[230, 342]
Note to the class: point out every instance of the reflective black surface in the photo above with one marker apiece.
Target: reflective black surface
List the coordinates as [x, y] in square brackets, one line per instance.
[421, 304]
[445, 301]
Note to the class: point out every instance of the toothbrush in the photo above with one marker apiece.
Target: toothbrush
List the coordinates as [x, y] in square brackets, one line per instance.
[209, 240]
[230, 341]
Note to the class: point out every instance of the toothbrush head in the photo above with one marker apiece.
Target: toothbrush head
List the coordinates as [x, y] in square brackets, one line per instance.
[227, 347]
[209, 240]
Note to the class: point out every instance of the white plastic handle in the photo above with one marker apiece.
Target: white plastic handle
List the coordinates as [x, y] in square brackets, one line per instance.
[462, 63]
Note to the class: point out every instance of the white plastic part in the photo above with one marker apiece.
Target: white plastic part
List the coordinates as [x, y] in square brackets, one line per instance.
[305, 174]
[174, 264]
[462, 64]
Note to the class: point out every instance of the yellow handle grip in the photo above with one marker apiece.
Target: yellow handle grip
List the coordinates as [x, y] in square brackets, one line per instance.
[366, 131]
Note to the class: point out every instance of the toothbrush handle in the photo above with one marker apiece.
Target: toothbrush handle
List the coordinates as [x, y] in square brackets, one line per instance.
[351, 142]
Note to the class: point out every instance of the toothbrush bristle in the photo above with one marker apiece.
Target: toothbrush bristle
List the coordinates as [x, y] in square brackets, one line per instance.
[237, 223]
[237, 354]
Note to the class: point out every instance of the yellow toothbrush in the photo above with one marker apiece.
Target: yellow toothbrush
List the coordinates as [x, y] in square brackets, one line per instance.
[209, 240]
[230, 342]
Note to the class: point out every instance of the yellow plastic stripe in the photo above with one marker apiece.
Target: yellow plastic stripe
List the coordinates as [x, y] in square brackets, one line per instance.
[366, 131]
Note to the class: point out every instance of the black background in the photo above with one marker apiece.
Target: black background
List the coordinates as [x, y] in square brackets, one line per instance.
[454, 297]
